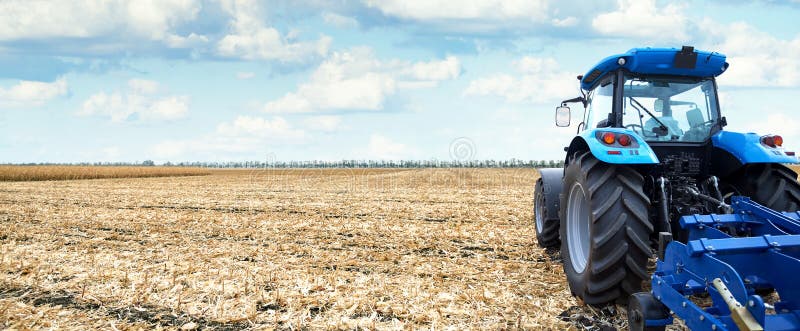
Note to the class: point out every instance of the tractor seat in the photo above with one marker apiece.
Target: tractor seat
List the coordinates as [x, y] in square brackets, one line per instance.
[698, 131]
[695, 117]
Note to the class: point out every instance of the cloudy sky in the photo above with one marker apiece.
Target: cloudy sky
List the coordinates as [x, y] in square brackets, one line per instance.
[181, 80]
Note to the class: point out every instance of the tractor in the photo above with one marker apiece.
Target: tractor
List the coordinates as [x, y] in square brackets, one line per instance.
[654, 189]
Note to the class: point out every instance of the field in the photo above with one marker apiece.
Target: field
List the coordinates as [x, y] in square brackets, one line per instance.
[283, 249]
[35, 173]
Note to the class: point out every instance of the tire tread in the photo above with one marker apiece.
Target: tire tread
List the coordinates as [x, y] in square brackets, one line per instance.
[620, 232]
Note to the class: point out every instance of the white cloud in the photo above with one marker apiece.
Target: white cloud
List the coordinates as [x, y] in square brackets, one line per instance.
[259, 127]
[323, 123]
[340, 21]
[143, 86]
[449, 68]
[32, 93]
[153, 20]
[356, 80]
[381, 147]
[251, 39]
[168, 108]
[565, 22]
[499, 10]
[141, 99]
[642, 19]
[245, 75]
[536, 65]
[243, 135]
[191, 41]
[541, 82]
[756, 58]
[156, 18]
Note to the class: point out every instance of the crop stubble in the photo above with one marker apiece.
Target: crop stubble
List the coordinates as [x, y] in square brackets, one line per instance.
[13, 173]
[279, 249]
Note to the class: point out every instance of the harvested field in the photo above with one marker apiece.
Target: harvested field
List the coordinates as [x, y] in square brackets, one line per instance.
[37, 173]
[284, 249]
[287, 249]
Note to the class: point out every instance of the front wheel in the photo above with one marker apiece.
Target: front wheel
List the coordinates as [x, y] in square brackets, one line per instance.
[605, 230]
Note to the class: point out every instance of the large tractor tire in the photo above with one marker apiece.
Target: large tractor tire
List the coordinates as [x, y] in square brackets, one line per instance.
[605, 230]
[772, 185]
[546, 225]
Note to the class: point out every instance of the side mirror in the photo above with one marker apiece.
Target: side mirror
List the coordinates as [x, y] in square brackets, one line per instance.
[562, 116]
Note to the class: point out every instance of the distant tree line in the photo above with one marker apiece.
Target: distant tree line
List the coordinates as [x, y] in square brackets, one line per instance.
[511, 163]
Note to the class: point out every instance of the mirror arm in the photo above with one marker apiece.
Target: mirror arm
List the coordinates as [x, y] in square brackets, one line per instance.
[580, 99]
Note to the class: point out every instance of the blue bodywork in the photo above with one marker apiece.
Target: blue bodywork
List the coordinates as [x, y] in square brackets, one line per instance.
[642, 154]
[744, 264]
[747, 148]
[656, 61]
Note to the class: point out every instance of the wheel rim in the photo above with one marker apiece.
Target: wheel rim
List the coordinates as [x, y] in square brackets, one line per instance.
[578, 227]
[538, 210]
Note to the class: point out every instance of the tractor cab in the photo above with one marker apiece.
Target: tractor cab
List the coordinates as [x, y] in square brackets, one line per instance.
[661, 94]
[658, 108]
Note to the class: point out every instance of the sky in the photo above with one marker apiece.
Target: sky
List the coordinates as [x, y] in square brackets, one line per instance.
[224, 80]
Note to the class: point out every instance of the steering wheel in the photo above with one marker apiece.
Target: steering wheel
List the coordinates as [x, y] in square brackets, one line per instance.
[704, 124]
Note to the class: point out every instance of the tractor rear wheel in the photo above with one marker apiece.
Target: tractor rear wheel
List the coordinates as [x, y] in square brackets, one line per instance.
[546, 227]
[605, 230]
[772, 185]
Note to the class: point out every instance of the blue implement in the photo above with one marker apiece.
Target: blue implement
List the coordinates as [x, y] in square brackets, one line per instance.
[745, 263]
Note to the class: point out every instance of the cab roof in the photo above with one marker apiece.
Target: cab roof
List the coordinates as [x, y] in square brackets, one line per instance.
[685, 61]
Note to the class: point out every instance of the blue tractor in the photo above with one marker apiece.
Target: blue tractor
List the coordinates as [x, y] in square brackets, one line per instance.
[653, 175]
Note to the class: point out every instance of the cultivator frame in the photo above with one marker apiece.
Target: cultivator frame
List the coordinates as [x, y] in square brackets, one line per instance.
[731, 270]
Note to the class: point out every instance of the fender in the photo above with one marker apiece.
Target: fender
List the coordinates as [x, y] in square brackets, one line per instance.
[638, 153]
[747, 148]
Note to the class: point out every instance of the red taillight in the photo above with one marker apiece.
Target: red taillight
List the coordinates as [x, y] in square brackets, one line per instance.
[609, 138]
[772, 141]
[624, 139]
[614, 152]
